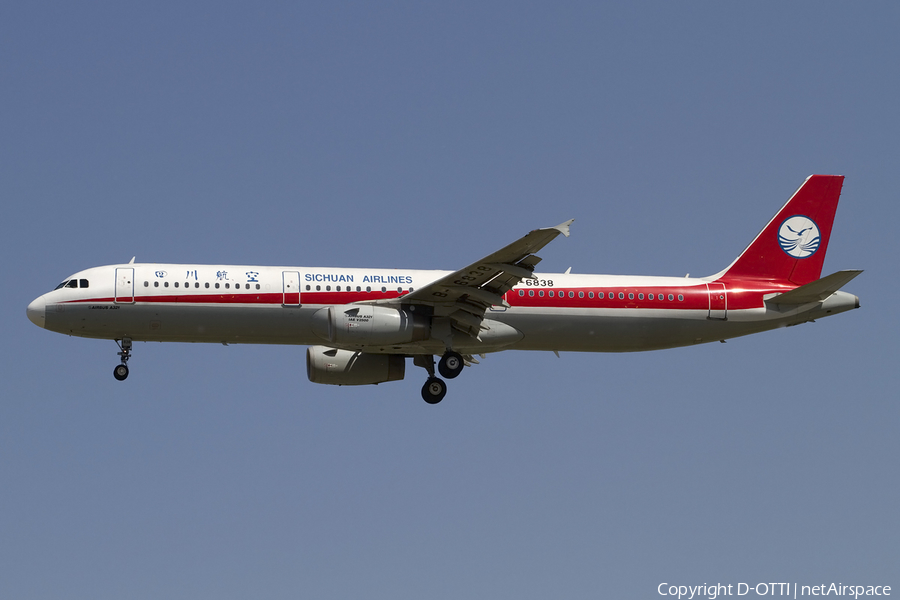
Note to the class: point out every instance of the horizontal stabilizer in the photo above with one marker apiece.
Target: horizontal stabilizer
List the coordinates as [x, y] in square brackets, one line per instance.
[816, 291]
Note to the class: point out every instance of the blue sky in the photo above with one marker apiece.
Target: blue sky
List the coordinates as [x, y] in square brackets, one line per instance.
[426, 136]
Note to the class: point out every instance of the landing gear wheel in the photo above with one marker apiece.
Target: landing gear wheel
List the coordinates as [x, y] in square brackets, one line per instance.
[451, 364]
[120, 372]
[434, 390]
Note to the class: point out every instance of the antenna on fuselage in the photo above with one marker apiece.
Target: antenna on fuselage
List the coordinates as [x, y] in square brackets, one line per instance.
[131, 262]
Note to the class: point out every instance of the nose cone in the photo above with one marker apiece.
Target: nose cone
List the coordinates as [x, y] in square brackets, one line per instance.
[36, 311]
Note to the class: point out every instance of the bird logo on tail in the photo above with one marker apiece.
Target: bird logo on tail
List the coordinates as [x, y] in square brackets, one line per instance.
[799, 237]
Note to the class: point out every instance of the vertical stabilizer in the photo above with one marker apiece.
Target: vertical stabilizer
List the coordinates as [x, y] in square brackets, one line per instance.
[791, 248]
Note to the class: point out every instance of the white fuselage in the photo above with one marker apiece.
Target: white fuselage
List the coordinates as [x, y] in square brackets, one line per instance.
[275, 305]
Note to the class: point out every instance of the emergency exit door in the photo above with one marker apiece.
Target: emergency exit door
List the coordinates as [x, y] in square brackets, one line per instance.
[291, 281]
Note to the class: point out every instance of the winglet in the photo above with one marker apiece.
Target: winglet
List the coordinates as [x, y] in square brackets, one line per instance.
[563, 228]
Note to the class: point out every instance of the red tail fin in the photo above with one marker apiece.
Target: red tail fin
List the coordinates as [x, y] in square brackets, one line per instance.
[791, 248]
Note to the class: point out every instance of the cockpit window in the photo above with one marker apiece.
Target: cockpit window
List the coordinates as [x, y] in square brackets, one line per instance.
[73, 283]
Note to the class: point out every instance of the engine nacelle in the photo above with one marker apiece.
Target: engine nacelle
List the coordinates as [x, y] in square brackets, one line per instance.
[368, 324]
[347, 367]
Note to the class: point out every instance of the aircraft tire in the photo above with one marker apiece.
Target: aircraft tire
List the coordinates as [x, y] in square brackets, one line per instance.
[434, 390]
[451, 364]
[120, 372]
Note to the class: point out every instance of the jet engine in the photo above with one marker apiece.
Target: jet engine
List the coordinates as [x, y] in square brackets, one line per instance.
[367, 324]
[348, 367]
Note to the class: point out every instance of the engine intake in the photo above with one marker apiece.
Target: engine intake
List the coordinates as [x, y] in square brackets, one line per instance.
[367, 324]
[347, 367]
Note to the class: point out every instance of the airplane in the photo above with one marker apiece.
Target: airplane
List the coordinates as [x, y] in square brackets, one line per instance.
[362, 324]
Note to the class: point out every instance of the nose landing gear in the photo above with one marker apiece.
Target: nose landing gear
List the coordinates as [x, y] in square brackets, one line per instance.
[121, 370]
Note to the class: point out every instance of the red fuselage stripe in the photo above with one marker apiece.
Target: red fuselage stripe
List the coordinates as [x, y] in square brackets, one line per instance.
[694, 298]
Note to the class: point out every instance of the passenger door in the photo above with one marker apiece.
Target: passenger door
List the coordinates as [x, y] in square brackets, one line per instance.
[718, 301]
[124, 285]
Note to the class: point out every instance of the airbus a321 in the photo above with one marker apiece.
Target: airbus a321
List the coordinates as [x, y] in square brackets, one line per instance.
[362, 324]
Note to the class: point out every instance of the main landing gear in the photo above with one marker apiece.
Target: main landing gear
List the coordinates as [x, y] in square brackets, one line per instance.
[121, 370]
[450, 366]
[434, 390]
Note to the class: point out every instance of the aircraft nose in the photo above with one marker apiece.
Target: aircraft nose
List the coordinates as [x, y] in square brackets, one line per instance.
[36, 311]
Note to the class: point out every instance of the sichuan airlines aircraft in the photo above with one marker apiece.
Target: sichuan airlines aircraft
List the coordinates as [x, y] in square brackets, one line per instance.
[362, 324]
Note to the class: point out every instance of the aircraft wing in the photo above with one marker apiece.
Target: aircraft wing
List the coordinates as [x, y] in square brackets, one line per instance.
[465, 295]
